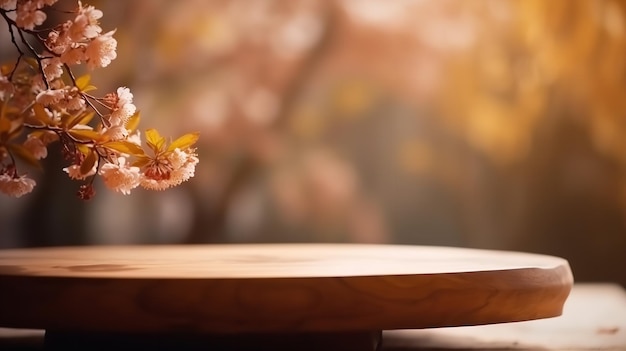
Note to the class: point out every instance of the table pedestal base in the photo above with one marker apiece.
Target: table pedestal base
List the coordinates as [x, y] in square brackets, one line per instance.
[347, 341]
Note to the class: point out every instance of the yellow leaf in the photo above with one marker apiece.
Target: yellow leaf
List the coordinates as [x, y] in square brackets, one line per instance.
[3, 109]
[82, 82]
[16, 130]
[85, 135]
[84, 118]
[88, 163]
[154, 140]
[184, 141]
[41, 115]
[88, 89]
[36, 134]
[6, 69]
[84, 149]
[32, 62]
[9, 129]
[45, 135]
[132, 122]
[125, 147]
[5, 126]
[24, 154]
[141, 161]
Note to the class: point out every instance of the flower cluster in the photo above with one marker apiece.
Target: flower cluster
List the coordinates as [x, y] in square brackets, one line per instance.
[42, 102]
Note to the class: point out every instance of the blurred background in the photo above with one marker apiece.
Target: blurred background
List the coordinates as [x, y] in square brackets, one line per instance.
[497, 124]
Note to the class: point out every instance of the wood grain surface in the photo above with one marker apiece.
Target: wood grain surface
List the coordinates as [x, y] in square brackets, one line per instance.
[274, 288]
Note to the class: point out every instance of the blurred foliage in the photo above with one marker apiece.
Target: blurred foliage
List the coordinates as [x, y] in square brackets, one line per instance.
[488, 123]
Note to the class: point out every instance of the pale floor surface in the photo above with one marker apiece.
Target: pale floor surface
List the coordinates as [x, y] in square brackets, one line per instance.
[594, 318]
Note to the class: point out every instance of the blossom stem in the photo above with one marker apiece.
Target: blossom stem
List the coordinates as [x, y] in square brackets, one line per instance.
[36, 56]
[88, 101]
[83, 95]
[13, 163]
[96, 99]
[70, 73]
[10, 24]
[58, 131]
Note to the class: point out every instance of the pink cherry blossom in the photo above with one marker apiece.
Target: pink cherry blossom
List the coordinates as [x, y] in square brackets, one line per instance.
[8, 4]
[36, 147]
[41, 92]
[6, 87]
[28, 15]
[50, 96]
[85, 25]
[52, 68]
[16, 186]
[170, 169]
[101, 50]
[120, 177]
[74, 172]
[122, 106]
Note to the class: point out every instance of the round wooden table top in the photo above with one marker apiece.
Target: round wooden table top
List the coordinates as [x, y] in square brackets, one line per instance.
[274, 287]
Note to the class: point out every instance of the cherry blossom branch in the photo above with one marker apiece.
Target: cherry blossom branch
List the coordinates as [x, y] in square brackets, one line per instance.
[14, 41]
[58, 131]
[42, 107]
[20, 31]
[36, 56]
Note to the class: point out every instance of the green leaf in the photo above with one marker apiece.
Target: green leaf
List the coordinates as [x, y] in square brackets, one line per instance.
[184, 141]
[125, 147]
[24, 154]
[88, 163]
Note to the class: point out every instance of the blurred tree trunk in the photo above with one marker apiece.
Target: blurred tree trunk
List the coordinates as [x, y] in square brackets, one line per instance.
[55, 216]
[209, 222]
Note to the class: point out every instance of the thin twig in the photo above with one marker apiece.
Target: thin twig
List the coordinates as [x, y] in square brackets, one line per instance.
[37, 57]
[96, 99]
[14, 41]
[58, 130]
[86, 96]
